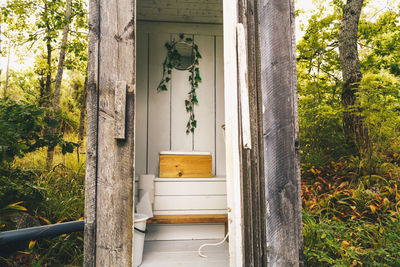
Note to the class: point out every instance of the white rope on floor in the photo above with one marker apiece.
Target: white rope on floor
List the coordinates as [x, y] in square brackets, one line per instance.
[206, 245]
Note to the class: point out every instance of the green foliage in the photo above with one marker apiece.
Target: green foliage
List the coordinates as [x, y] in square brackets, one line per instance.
[350, 198]
[49, 196]
[320, 88]
[330, 242]
[22, 130]
[63, 191]
[350, 220]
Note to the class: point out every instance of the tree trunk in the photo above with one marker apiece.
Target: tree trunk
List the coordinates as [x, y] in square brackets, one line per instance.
[7, 71]
[60, 70]
[81, 130]
[354, 129]
[47, 91]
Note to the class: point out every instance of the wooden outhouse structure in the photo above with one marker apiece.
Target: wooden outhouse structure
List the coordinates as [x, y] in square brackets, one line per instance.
[248, 69]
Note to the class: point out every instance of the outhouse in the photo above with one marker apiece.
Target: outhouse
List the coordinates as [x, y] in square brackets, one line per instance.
[209, 84]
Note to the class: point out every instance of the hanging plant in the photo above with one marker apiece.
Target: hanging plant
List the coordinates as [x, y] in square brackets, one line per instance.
[183, 54]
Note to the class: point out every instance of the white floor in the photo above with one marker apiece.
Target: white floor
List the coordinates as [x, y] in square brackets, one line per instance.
[184, 253]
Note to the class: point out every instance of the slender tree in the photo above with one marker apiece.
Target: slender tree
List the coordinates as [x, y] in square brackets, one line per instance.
[60, 70]
[354, 128]
[7, 70]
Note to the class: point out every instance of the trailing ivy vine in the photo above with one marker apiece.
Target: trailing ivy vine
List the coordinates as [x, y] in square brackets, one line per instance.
[174, 60]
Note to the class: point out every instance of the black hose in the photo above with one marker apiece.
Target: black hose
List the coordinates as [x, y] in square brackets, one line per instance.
[141, 231]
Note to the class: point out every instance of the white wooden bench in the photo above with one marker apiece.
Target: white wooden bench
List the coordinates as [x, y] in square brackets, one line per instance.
[189, 208]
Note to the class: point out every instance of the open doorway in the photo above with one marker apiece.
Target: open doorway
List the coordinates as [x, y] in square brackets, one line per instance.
[189, 211]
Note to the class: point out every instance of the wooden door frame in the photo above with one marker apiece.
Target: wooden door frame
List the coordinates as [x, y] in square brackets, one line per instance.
[233, 178]
[263, 183]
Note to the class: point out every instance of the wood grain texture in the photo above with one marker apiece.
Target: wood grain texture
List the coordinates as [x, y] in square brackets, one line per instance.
[115, 164]
[280, 136]
[120, 110]
[254, 226]
[91, 138]
[190, 218]
[175, 166]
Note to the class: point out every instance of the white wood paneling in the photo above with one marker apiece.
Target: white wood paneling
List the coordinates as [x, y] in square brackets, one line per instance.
[190, 188]
[141, 103]
[159, 103]
[183, 212]
[184, 253]
[220, 109]
[189, 202]
[187, 28]
[204, 11]
[180, 86]
[162, 117]
[185, 232]
[204, 134]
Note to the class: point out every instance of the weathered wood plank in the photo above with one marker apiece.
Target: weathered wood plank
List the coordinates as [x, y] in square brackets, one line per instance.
[120, 110]
[91, 141]
[190, 218]
[296, 135]
[278, 84]
[253, 207]
[115, 175]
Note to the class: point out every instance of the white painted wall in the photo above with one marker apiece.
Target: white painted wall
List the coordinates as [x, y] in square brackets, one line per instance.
[161, 117]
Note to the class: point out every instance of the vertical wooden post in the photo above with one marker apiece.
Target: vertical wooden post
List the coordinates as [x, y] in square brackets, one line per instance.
[280, 132]
[270, 171]
[91, 141]
[253, 182]
[110, 165]
[235, 214]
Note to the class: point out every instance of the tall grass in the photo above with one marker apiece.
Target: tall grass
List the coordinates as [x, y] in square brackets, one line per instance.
[61, 190]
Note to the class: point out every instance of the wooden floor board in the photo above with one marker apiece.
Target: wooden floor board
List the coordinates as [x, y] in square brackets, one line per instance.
[184, 253]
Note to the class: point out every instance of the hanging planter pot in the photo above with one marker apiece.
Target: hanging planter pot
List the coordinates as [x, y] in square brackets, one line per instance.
[183, 54]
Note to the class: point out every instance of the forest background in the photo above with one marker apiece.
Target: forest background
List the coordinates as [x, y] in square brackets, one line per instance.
[349, 129]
